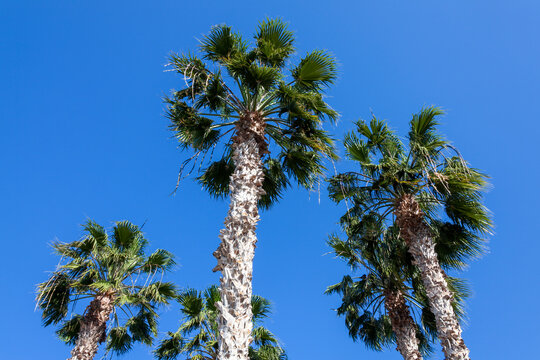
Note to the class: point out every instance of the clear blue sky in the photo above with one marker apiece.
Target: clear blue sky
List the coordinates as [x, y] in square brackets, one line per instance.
[83, 136]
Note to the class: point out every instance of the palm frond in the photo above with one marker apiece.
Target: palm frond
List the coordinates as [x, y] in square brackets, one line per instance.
[142, 326]
[315, 71]
[170, 347]
[127, 236]
[221, 44]
[118, 341]
[260, 308]
[54, 297]
[69, 331]
[158, 292]
[275, 43]
[159, 259]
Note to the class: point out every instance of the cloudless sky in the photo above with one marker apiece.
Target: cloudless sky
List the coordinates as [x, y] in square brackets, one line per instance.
[83, 136]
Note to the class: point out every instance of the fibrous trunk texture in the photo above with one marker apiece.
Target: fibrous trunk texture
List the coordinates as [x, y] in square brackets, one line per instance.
[403, 325]
[236, 250]
[418, 237]
[93, 327]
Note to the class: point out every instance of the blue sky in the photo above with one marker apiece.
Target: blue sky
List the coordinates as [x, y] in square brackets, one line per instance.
[83, 136]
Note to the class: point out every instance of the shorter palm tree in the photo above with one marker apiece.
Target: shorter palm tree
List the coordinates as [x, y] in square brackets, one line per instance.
[197, 337]
[117, 277]
[388, 304]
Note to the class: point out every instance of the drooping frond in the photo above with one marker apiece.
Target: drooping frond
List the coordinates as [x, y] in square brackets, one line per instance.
[54, 297]
[191, 130]
[143, 326]
[455, 245]
[68, 332]
[170, 348]
[119, 341]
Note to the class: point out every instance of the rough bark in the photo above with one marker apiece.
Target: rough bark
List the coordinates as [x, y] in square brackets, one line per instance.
[418, 237]
[236, 250]
[403, 325]
[93, 327]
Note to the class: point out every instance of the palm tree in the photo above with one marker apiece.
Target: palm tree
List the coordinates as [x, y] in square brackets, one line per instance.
[388, 303]
[120, 281]
[197, 337]
[426, 182]
[266, 122]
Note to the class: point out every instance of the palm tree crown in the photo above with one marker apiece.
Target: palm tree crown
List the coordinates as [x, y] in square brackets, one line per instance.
[114, 267]
[197, 337]
[447, 189]
[233, 81]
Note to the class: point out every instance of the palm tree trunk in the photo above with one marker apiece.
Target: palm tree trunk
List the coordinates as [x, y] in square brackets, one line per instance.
[93, 327]
[418, 237]
[236, 251]
[403, 325]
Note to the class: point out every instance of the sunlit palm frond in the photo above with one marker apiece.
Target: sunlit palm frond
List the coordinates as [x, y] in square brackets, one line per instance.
[275, 43]
[315, 71]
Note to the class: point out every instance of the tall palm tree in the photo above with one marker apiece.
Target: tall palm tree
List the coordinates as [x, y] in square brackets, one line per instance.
[426, 181]
[196, 339]
[266, 122]
[121, 282]
[387, 304]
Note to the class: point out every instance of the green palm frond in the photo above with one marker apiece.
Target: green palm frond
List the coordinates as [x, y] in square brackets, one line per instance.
[263, 337]
[216, 178]
[267, 352]
[303, 166]
[191, 302]
[143, 326]
[128, 237]
[221, 44]
[69, 331]
[97, 234]
[455, 245]
[191, 130]
[159, 259]
[212, 296]
[260, 308]
[274, 184]
[263, 77]
[315, 71]
[158, 292]
[375, 332]
[275, 43]
[118, 341]
[54, 297]
[169, 348]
